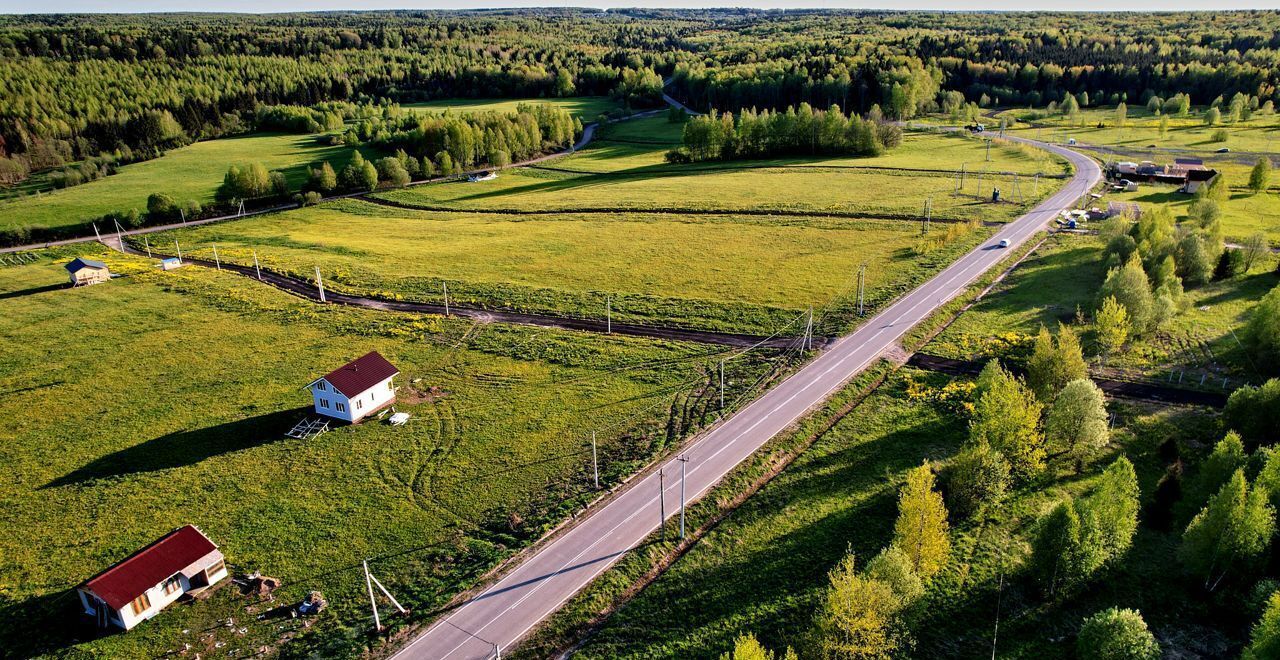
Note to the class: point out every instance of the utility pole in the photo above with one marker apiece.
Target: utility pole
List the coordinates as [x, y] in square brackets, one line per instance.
[662, 504]
[320, 284]
[683, 460]
[218, 262]
[608, 313]
[722, 386]
[183, 215]
[178, 248]
[446, 297]
[595, 460]
[862, 283]
[148, 244]
[256, 267]
[368, 582]
[807, 342]
[119, 235]
[988, 150]
[95, 232]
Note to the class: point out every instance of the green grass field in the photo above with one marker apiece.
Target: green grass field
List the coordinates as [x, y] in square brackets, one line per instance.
[162, 399]
[749, 274]
[1260, 134]
[1064, 275]
[192, 172]
[762, 569]
[624, 169]
[586, 108]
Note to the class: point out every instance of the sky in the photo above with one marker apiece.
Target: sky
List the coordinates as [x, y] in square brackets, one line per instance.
[262, 6]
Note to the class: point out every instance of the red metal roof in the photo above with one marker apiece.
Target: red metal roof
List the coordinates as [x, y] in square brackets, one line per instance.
[146, 568]
[360, 374]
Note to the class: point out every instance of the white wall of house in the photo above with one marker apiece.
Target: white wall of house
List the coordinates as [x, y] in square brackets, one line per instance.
[159, 599]
[332, 403]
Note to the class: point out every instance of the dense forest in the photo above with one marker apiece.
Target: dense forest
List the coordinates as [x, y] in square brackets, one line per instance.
[130, 87]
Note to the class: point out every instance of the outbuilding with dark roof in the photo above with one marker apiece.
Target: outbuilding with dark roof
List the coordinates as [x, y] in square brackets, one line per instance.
[87, 271]
[141, 585]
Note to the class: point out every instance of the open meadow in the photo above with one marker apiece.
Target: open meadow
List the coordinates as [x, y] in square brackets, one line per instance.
[586, 108]
[1099, 126]
[193, 172]
[164, 398]
[624, 169]
[724, 246]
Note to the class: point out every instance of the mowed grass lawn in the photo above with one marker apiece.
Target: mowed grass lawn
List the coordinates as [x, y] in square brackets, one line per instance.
[1261, 133]
[1064, 275]
[586, 108]
[160, 399]
[730, 273]
[624, 169]
[763, 569]
[192, 172]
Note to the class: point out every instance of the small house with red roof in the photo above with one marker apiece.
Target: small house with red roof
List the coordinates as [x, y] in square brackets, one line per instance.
[139, 586]
[356, 389]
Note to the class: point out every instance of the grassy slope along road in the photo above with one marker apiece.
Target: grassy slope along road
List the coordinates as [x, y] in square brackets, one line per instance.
[503, 613]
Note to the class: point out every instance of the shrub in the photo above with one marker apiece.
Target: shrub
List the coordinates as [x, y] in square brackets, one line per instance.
[1116, 634]
[979, 477]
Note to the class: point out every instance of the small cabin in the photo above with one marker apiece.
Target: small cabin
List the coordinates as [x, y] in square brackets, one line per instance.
[356, 389]
[144, 583]
[87, 271]
[1197, 179]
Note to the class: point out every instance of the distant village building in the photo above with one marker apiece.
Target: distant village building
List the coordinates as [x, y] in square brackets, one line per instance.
[141, 585]
[87, 271]
[357, 389]
[1189, 174]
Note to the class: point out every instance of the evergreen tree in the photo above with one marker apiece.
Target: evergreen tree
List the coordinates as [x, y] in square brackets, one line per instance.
[921, 528]
[1116, 634]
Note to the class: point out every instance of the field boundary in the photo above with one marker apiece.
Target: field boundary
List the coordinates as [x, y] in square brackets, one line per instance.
[307, 290]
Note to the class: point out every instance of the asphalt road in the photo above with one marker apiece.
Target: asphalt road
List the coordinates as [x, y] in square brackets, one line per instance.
[504, 612]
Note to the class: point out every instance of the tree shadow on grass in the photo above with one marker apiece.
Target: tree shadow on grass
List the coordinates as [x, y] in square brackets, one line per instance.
[33, 290]
[772, 589]
[1249, 287]
[183, 448]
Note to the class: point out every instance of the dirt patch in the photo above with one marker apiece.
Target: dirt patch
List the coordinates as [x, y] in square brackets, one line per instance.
[415, 393]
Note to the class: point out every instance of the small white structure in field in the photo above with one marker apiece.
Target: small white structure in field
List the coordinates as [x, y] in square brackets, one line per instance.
[357, 389]
[139, 586]
[482, 176]
[87, 271]
[170, 263]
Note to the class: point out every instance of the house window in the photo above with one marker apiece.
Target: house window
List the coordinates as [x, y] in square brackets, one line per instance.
[171, 585]
[340, 406]
[215, 569]
[320, 385]
[391, 386]
[324, 403]
[359, 404]
[140, 604]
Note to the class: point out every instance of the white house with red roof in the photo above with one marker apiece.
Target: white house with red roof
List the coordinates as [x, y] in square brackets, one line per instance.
[139, 586]
[356, 389]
